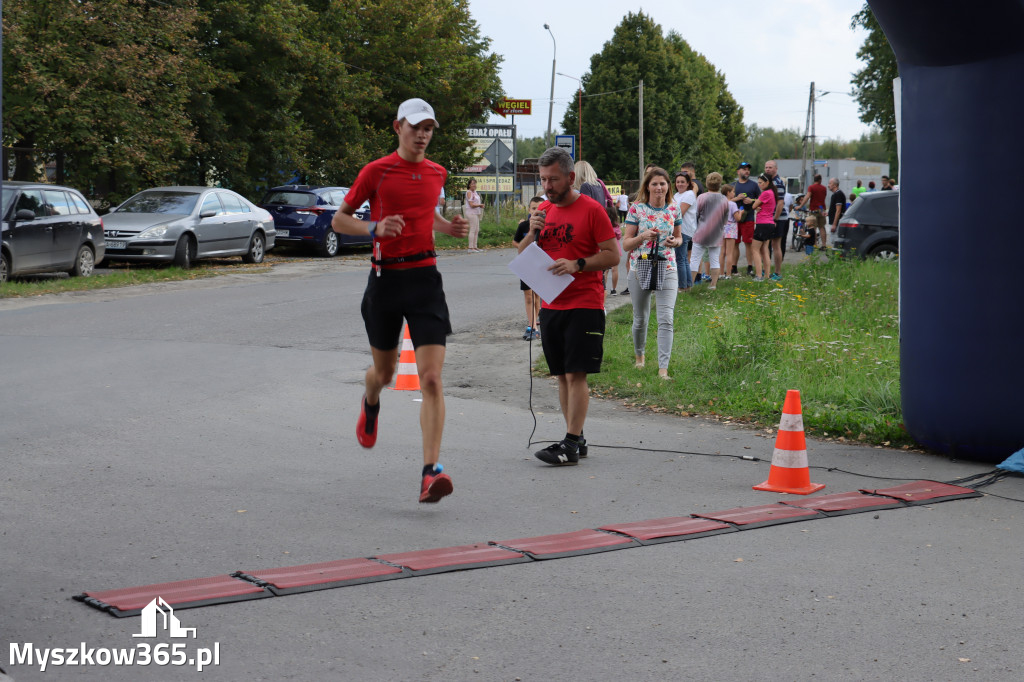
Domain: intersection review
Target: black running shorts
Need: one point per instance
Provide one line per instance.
(415, 295)
(573, 340)
(763, 232)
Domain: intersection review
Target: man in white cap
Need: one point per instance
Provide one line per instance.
(404, 283)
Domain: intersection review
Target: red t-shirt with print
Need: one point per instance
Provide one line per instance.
(572, 232)
(395, 186)
(817, 200)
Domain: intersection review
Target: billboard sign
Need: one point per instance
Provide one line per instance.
(517, 107)
(493, 148)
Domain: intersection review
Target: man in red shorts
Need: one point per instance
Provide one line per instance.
(576, 232)
(402, 189)
(746, 194)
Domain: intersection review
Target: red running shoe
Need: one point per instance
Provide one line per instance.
(366, 429)
(435, 486)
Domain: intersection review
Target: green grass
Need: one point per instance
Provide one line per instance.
(122, 275)
(492, 233)
(828, 329)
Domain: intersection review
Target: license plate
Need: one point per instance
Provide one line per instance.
(282, 233)
(116, 244)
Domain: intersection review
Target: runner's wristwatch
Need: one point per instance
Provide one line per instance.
(580, 263)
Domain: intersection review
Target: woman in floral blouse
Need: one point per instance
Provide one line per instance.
(651, 235)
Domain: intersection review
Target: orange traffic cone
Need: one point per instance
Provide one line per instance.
(789, 472)
(408, 378)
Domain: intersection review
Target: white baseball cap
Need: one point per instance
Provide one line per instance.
(415, 111)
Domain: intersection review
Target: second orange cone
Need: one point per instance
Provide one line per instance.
(408, 378)
(789, 472)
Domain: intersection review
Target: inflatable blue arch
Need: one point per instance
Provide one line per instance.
(961, 198)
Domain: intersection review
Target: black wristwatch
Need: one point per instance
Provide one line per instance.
(581, 262)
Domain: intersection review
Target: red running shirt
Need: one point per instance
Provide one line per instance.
(574, 232)
(395, 186)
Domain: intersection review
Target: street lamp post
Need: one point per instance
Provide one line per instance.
(579, 114)
(551, 100)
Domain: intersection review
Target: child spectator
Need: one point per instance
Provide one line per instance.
(712, 215)
(530, 296)
(809, 236)
(732, 232)
(613, 215)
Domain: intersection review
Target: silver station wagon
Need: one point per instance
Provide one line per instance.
(182, 224)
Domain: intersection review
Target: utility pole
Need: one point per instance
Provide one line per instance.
(808, 134)
(551, 99)
(641, 131)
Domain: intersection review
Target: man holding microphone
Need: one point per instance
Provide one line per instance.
(576, 232)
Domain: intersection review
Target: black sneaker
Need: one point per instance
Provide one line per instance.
(582, 448)
(559, 454)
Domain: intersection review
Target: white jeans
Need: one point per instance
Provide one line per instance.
(698, 253)
(665, 300)
(474, 229)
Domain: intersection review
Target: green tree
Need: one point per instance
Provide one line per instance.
(250, 129)
(689, 114)
(105, 82)
(762, 144)
(310, 88)
(872, 85)
(530, 148)
(422, 48)
(244, 93)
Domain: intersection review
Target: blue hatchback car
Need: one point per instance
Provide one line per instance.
(303, 213)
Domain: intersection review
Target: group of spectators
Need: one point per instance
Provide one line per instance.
(819, 221)
(679, 232)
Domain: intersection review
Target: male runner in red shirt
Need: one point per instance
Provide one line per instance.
(404, 282)
(576, 232)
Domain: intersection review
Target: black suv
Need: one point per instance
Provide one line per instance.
(49, 228)
(303, 213)
(871, 226)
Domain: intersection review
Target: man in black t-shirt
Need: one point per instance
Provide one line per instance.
(747, 193)
(837, 206)
(691, 172)
(778, 243)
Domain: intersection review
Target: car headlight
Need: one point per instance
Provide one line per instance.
(153, 232)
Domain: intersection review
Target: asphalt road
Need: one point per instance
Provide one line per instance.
(191, 429)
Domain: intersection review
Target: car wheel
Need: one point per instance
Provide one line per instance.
(884, 252)
(184, 252)
(256, 250)
(328, 248)
(5, 268)
(85, 262)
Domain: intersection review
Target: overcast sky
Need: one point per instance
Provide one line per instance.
(769, 59)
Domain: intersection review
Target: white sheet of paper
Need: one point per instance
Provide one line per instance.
(532, 267)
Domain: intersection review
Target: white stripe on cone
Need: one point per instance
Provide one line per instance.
(791, 422)
(790, 459)
(407, 368)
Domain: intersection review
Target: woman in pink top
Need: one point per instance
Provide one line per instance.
(764, 226)
(475, 208)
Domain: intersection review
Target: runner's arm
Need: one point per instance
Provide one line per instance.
(346, 223)
(457, 227)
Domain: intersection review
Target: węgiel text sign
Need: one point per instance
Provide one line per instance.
(516, 107)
